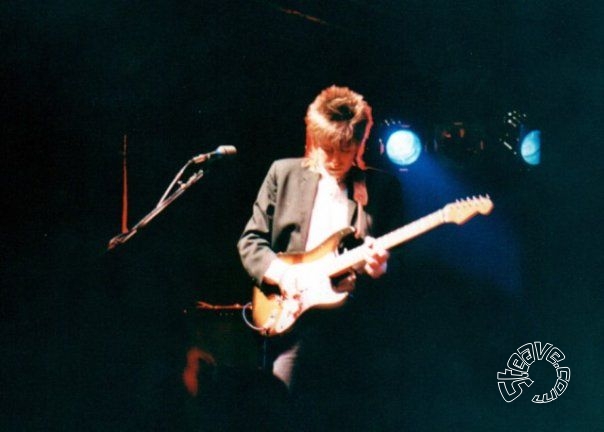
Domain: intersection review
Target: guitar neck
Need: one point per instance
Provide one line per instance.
(354, 257)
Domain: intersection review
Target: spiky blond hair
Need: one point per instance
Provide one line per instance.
(337, 118)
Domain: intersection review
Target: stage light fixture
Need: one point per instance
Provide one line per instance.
(513, 125)
(403, 146)
(519, 139)
(459, 140)
(530, 148)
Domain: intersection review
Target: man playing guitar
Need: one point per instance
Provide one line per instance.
(301, 203)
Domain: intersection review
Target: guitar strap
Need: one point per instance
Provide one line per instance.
(361, 197)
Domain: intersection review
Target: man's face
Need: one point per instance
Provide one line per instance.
(337, 161)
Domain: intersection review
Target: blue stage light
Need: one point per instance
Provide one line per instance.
(530, 148)
(403, 147)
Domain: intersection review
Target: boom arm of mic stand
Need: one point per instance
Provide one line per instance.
(164, 202)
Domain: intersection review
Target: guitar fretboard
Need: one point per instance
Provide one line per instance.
(354, 257)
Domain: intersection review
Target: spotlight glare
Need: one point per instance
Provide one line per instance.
(530, 148)
(403, 147)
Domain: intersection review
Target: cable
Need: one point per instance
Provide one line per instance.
(246, 320)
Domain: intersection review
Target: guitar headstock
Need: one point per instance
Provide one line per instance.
(462, 210)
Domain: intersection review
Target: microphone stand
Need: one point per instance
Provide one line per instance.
(164, 202)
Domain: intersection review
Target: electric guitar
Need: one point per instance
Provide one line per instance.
(273, 314)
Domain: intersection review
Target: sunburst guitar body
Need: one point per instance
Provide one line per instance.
(274, 314)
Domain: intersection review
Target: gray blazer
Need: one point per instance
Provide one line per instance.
(281, 213)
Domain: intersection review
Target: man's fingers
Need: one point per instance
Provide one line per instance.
(376, 258)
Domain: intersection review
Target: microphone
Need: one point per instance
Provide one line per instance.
(221, 151)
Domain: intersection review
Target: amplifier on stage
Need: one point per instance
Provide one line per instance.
(220, 331)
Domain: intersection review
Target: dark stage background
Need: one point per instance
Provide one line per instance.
(95, 340)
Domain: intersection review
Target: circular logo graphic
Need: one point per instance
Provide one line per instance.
(515, 378)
